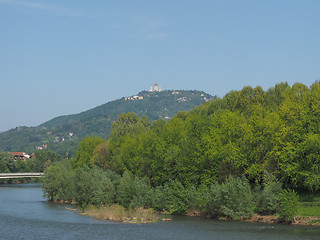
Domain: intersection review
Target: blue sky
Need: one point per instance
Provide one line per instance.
(62, 57)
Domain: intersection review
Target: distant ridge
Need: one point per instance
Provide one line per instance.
(63, 133)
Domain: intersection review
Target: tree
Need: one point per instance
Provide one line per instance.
(86, 151)
(101, 156)
(58, 181)
(4, 160)
(301, 163)
(128, 124)
(43, 159)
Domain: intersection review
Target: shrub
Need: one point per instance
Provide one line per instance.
(235, 198)
(58, 183)
(171, 197)
(268, 198)
(103, 189)
(193, 197)
(178, 197)
(142, 196)
(288, 204)
(84, 185)
(160, 199)
(126, 189)
(210, 199)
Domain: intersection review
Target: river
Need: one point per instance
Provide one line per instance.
(25, 214)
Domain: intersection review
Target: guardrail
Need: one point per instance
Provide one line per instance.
(20, 175)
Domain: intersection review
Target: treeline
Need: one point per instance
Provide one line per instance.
(234, 199)
(245, 135)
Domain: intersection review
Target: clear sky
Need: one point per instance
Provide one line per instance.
(61, 57)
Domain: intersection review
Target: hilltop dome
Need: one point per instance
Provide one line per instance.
(155, 88)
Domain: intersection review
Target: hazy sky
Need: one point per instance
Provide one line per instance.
(60, 57)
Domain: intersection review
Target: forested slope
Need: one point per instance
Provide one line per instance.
(62, 134)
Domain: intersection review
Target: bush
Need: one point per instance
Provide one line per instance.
(288, 204)
(160, 199)
(235, 198)
(268, 198)
(58, 183)
(171, 197)
(126, 189)
(103, 189)
(193, 197)
(178, 197)
(142, 196)
(210, 199)
(84, 185)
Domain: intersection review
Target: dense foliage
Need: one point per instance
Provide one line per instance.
(229, 157)
(233, 199)
(245, 133)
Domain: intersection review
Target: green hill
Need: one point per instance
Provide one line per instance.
(62, 134)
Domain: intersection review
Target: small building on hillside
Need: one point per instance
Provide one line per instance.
(20, 155)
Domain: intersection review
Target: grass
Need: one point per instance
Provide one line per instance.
(309, 211)
(118, 213)
(309, 205)
(309, 208)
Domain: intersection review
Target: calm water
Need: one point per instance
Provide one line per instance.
(25, 214)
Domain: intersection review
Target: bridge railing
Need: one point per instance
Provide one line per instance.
(21, 175)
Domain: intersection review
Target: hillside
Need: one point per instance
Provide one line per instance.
(62, 134)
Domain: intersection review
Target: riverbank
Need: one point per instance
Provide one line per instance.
(271, 219)
(298, 220)
(118, 213)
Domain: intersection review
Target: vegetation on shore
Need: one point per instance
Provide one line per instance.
(249, 152)
(118, 213)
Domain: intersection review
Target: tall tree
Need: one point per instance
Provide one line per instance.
(86, 151)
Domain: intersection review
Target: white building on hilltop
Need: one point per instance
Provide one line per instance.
(155, 88)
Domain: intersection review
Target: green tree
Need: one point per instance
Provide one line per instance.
(127, 124)
(86, 151)
(58, 181)
(300, 163)
(43, 159)
(101, 156)
(4, 160)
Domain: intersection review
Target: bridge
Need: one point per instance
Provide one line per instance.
(21, 175)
